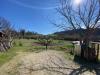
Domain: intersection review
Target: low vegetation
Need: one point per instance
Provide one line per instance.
(25, 45)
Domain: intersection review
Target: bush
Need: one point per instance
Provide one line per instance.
(20, 44)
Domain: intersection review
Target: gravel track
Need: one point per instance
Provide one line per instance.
(44, 63)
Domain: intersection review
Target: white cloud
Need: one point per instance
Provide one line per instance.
(31, 6)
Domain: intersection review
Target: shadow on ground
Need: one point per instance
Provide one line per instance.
(93, 67)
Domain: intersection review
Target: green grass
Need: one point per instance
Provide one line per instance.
(6, 56)
(61, 42)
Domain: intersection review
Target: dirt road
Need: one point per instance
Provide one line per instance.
(43, 63)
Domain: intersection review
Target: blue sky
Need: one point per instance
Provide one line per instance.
(33, 15)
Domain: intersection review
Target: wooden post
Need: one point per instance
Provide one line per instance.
(97, 52)
(93, 45)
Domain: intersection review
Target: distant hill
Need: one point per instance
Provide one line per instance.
(74, 34)
(71, 32)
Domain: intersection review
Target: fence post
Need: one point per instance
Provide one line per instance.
(97, 52)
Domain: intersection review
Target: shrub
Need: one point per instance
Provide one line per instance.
(20, 44)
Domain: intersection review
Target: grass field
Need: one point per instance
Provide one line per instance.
(24, 45)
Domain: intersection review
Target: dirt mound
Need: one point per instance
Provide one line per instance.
(43, 63)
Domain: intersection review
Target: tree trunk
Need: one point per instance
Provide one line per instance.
(2, 49)
(5, 44)
(87, 52)
(97, 52)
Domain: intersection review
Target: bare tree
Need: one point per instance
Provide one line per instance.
(45, 40)
(5, 39)
(87, 15)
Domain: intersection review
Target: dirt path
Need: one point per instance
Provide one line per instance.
(43, 63)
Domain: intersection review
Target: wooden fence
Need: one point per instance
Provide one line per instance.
(95, 45)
